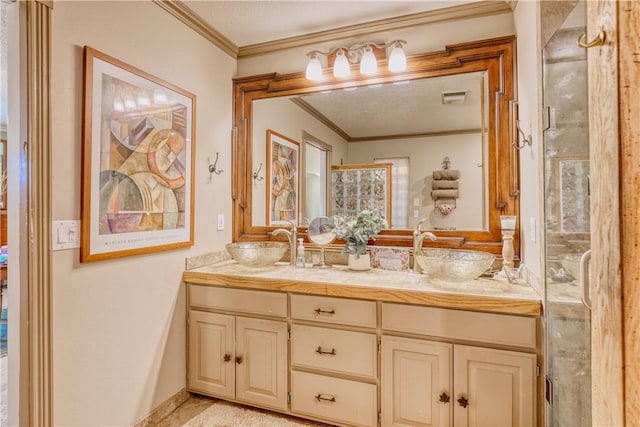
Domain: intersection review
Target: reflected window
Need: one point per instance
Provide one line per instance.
(399, 189)
(317, 161)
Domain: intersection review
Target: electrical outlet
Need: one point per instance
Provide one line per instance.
(416, 213)
(220, 222)
(416, 202)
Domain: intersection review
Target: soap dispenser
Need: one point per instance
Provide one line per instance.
(300, 254)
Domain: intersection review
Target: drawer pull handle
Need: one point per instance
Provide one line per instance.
(320, 311)
(321, 398)
(444, 397)
(227, 357)
(238, 359)
(462, 401)
(319, 350)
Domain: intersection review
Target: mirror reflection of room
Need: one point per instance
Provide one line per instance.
(413, 126)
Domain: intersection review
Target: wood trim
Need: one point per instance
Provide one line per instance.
(496, 56)
(604, 137)
(38, 40)
(192, 20)
(629, 68)
(454, 13)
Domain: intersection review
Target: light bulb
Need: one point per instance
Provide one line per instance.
(314, 69)
(159, 96)
(118, 105)
(129, 103)
(341, 67)
(368, 63)
(397, 59)
(143, 99)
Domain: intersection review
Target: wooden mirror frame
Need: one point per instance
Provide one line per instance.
(496, 56)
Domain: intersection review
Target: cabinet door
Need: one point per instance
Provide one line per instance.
(211, 368)
(416, 382)
(261, 362)
(493, 388)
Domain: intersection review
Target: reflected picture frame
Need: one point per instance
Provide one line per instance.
(138, 151)
(283, 179)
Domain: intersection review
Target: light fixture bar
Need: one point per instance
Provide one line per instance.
(363, 53)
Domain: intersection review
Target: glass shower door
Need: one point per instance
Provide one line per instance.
(567, 218)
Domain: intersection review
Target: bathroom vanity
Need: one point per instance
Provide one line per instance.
(364, 348)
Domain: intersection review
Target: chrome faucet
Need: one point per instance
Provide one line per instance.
(418, 239)
(292, 235)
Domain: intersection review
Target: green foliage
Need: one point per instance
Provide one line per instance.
(358, 230)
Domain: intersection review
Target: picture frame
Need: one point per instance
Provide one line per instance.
(138, 151)
(283, 179)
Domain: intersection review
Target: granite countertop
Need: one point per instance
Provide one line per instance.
(483, 294)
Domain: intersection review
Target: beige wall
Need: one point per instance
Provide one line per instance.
(286, 118)
(527, 18)
(426, 154)
(119, 325)
(425, 38)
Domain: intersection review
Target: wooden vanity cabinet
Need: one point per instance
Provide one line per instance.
(429, 383)
(234, 356)
(354, 362)
(334, 359)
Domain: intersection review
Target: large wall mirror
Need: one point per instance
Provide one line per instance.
(442, 128)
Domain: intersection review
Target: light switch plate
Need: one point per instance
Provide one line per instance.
(65, 234)
(220, 222)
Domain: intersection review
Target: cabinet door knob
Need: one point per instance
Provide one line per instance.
(462, 401)
(444, 397)
(227, 357)
(238, 359)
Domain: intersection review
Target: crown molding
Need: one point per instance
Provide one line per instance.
(512, 4)
(188, 17)
(465, 11)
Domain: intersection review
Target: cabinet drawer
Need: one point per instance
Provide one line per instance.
(333, 350)
(334, 310)
(333, 399)
(241, 300)
(503, 329)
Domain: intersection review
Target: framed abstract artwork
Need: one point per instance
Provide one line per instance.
(283, 170)
(137, 161)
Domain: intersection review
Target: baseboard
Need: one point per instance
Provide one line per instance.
(164, 409)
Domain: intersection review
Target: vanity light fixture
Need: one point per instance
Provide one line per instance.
(362, 53)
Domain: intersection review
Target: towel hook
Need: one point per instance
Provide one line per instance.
(212, 167)
(256, 176)
(521, 138)
(518, 139)
(597, 41)
(446, 163)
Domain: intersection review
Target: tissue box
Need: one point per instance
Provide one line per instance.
(389, 258)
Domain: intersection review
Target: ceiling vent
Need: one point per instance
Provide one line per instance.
(454, 97)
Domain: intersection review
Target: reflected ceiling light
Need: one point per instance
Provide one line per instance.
(129, 103)
(118, 105)
(159, 97)
(363, 53)
(142, 100)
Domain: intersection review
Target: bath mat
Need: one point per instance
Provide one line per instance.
(223, 414)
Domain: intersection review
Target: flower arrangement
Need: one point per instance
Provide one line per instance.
(358, 230)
